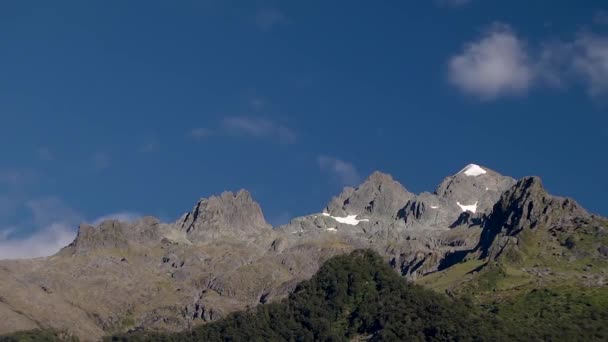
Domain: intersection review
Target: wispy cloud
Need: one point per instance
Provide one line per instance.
(44, 242)
(53, 223)
(583, 60)
(199, 133)
(590, 61)
(258, 128)
(50, 238)
(51, 209)
(268, 18)
(498, 64)
(125, 216)
(346, 173)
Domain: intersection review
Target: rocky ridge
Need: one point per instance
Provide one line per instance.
(222, 256)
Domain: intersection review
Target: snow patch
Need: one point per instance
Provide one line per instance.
(473, 170)
(332, 229)
(472, 208)
(350, 219)
(434, 207)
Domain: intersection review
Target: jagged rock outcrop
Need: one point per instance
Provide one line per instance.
(460, 199)
(222, 256)
(227, 214)
(380, 195)
(527, 206)
(113, 234)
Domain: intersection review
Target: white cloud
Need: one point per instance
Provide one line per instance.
(499, 64)
(590, 61)
(44, 242)
(268, 18)
(496, 65)
(258, 128)
(583, 60)
(55, 226)
(344, 171)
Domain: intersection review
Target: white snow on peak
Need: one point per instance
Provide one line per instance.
(473, 170)
(332, 229)
(350, 219)
(472, 208)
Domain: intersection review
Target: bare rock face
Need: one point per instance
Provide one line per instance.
(109, 234)
(527, 206)
(474, 189)
(222, 256)
(224, 215)
(379, 195)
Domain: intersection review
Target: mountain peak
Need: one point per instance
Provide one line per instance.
(474, 185)
(107, 234)
(379, 177)
(379, 195)
(227, 213)
(473, 170)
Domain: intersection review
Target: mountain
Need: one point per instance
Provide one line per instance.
(357, 297)
(352, 297)
(479, 234)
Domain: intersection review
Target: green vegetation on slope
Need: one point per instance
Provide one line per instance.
(563, 313)
(37, 336)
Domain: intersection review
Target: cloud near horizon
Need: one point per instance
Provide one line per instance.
(57, 227)
(346, 173)
(44, 242)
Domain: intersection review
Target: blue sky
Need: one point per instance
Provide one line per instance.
(129, 108)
